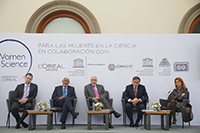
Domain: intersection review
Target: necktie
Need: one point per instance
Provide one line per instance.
(64, 92)
(25, 92)
(135, 93)
(95, 91)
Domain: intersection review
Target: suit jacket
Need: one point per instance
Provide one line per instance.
(19, 91)
(174, 94)
(58, 92)
(90, 94)
(141, 93)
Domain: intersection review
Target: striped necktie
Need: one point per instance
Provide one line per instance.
(64, 92)
(25, 92)
(95, 91)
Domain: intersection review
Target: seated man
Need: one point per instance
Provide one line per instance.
(135, 95)
(96, 93)
(63, 96)
(22, 98)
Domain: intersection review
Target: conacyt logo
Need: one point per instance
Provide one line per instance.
(15, 58)
(112, 67)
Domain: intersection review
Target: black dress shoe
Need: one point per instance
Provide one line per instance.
(24, 124)
(117, 115)
(131, 124)
(136, 124)
(63, 126)
(110, 126)
(76, 114)
(18, 125)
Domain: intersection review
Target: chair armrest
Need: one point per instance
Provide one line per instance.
(146, 103)
(8, 104)
(163, 103)
(51, 103)
(147, 100)
(88, 104)
(111, 101)
(74, 103)
(123, 103)
(33, 103)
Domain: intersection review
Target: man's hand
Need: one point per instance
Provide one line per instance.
(135, 101)
(61, 97)
(95, 99)
(22, 101)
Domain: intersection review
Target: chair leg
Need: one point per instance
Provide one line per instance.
(182, 124)
(55, 118)
(8, 120)
(110, 118)
(73, 120)
(124, 118)
(189, 123)
(141, 121)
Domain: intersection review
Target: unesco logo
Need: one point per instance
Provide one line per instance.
(15, 57)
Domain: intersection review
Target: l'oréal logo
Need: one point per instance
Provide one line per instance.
(51, 66)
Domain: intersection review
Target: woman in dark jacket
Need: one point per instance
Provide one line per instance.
(178, 98)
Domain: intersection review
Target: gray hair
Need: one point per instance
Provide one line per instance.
(66, 78)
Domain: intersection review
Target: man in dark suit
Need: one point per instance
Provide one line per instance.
(22, 97)
(135, 95)
(63, 96)
(96, 93)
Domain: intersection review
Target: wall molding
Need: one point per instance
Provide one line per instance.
(62, 6)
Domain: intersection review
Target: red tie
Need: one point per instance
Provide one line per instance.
(135, 93)
(95, 91)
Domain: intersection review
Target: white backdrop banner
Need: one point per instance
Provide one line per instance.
(114, 58)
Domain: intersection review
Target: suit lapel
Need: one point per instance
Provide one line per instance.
(68, 90)
(99, 89)
(31, 88)
(22, 90)
(61, 90)
(132, 90)
(92, 90)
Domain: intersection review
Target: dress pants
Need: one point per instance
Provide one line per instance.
(106, 103)
(15, 107)
(66, 104)
(129, 111)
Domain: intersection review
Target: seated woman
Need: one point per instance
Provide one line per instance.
(178, 98)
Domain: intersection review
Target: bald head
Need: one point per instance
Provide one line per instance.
(93, 80)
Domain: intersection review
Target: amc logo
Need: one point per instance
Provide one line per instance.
(181, 66)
